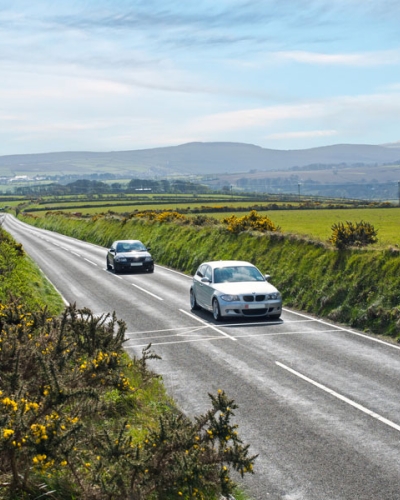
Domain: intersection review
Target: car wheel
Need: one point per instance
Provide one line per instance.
(108, 266)
(150, 269)
(116, 268)
(216, 310)
(193, 302)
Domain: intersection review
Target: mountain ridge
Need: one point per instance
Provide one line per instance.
(196, 158)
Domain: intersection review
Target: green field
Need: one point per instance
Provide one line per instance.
(314, 223)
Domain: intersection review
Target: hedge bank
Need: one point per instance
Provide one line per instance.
(355, 287)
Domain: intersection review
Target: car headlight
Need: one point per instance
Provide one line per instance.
(274, 296)
(230, 298)
(121, 259)
(148, 259)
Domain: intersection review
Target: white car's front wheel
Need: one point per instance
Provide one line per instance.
(216, 310)
(193, 302)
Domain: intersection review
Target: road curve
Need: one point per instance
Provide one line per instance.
(318, 402)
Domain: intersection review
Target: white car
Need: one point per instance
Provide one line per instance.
(230, 288)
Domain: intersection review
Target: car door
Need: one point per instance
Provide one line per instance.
(199, 285)
(111, 254)
(204, 287)
(208, 288)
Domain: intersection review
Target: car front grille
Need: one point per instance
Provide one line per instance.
(135, 259)
(253, 298)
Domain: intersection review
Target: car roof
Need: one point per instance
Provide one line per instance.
(228, 263)
(127, 241)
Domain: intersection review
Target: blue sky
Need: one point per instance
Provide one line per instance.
(111, 75)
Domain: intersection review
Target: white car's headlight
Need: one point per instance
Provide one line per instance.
(274, 296)
(230, 298)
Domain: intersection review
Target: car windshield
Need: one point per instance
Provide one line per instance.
(134, 246)
(237, 274)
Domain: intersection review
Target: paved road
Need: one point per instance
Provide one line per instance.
(318, 402)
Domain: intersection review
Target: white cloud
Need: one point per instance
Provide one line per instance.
(335, 116)
(377, 58)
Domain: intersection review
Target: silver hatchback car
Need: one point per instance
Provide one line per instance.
(230, 288)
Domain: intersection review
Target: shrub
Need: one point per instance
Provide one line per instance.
(253, 221)
(358, 234)
(59, 381)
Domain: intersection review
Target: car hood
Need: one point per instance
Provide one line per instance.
(133, 254)
(247, 287)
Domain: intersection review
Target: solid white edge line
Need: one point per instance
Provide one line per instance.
(146, 291)
(342, 398)
(209, 325)
(340, 328)
(55, 288)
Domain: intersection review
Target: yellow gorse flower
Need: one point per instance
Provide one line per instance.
(7, 433)
(9, 402)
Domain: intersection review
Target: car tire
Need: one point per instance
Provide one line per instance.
(150, 270)
(108, 266)
(116, 269)
(194, 306)
(216, 310)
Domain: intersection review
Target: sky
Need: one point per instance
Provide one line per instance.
(117, 75)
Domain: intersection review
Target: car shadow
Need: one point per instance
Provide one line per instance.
(236, 322)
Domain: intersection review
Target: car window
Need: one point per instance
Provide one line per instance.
(222, 275)
(136, 246)
(246, 273)
(130, 246)
(208, 273)
(201, 271)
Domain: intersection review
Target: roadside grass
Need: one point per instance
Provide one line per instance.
(22, 279)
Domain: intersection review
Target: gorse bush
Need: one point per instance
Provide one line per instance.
(253, 221)
(60, 437)
(357, 234)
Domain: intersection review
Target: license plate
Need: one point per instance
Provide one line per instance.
(136, 263)
(255, 306)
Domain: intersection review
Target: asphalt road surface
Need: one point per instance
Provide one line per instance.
(318, 402)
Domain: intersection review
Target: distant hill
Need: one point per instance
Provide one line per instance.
(195, 159)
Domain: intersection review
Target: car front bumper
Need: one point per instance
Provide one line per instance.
(243, 309)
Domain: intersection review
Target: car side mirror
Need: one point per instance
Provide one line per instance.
(205, 280)
(267, 276)
(112, 250)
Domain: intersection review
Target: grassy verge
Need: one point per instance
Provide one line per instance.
(20, 278)
(360, 288)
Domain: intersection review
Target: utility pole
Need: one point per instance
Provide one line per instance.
(298, 185)
(398, 190)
